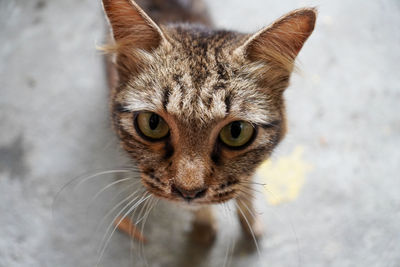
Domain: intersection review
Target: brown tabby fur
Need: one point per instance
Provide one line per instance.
(199, 80)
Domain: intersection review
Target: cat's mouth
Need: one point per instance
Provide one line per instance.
(203, 196)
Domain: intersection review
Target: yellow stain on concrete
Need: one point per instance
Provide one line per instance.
(284, 177)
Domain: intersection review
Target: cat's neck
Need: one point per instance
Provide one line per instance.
(176, 11)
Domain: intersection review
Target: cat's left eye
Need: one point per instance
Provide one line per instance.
(237, 134)
(151, 125)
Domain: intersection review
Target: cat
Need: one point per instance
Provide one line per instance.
(199, 109)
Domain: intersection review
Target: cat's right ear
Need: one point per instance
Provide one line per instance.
(131, 25)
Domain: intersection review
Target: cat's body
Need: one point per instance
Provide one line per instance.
(199, 109)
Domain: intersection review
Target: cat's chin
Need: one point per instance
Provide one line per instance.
(193, 206)
(189, 205)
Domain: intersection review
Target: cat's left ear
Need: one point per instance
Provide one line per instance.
(282, 40)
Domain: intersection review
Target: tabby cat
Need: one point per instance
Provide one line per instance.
(199, 109)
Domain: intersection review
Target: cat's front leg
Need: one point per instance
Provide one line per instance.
(204, 227)
(249, 219)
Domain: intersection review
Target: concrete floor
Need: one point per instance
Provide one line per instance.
(343, 110)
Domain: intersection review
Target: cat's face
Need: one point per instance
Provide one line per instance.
(198, 110)
(171, 118)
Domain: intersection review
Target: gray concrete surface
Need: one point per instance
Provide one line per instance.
(343, 108)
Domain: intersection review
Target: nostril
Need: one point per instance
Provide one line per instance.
(188, 194)
(176, 191)
(200, 193)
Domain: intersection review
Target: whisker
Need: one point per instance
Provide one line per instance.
(228, 255)
(245, 194)
(132, 243)
(82, 179)
(229, 244)
(116, 206)
(225, 209)
(293, 229)
(253, 183)
(228, 208)
(248, 195)
(251, 230)
(87, 178)
(110, 185)
(120, 220)
(118, 215)
(143, 224)
(247, 208)
(135, 221)
(143, 211)
(141, 215)
(129, 187)
(105, 188)
(249, 187)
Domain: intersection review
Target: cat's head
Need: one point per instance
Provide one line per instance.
(199, 109)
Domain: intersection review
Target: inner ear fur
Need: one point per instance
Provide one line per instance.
(281, 42)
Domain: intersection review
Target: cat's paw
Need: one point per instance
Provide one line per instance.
(204, 233)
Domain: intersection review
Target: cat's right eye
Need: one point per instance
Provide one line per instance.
(151, 125)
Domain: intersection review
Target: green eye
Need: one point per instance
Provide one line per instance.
(236, 134)
(151, 125)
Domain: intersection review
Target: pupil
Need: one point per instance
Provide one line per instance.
(236, 129)
(153, 121)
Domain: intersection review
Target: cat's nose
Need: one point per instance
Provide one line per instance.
(188, 194)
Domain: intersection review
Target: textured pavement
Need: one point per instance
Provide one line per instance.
(343, 110)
